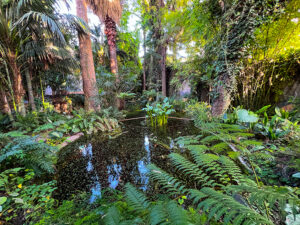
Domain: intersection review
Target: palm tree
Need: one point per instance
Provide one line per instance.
(19, 21)
(87, 62)
(110, 12)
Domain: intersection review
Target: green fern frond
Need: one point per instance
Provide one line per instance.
(199, 148)
(210, 139)
(242, 134)
(232, 169)
(219, 206)
(168, 213)
(270, 194)
(208, 163)
(191, 170)
(176, 215)
(171, 184)
(113, 216)
(220, 147)
(232, 128)
(262, 155)
(135, 198)
(252, 142)
(44, 127)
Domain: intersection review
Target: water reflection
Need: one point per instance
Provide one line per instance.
(114, 172)
(93, 164)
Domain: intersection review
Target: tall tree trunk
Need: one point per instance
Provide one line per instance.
(17, 82)
(111, 34)
(221, 102)
(5, 108)
(159, 42)
(144, 63)
(87, 62)
(30, 91)
(163, 70)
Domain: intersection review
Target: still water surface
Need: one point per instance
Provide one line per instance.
(91, 164)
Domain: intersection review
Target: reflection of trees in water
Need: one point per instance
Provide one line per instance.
(114, 162)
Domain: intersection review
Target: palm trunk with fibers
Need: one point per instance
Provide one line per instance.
(17, 82)
(4, 102)
(111, 34)
(87, 62)
(30, 91)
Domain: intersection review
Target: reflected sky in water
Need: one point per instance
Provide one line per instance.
(90, 165)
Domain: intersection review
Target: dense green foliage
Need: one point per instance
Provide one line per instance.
(230, 66)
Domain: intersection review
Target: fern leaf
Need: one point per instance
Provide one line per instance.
(270, 194)
(232, 169)
(112, 217)
(176, 215)
(220, 147)
(226, 206)
(191, 170)
(135, 198)
(167, 181)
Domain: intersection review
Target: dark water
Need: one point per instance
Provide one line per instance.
(91, 164)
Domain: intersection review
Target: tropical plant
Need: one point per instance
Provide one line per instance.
(88, 123)
(158, 113)
(86, 60)
(18, 21)
(110, 13)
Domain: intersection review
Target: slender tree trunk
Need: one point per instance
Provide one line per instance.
(163, 70)
(17, 82)
(159, 42)
(30, 91)
(144, 63)
(111, 34)
(4, 103)
(87, 62)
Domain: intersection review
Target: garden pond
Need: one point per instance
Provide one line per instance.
(101, 161)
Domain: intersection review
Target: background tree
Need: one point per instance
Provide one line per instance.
(20, 23)
(86, 61)
(110, 12)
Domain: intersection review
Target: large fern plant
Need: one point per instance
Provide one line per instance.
(25, 151)
(216, 184)
(159, 212)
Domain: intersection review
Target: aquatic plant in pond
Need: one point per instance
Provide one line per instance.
(158, 113)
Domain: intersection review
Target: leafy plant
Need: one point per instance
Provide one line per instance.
(158, 113)
(24, 151)
(88, 123)
(211, 182)
(22, 199)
